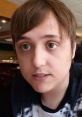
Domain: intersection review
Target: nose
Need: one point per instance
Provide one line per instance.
(39, 58)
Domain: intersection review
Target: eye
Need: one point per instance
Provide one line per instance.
(26, 46)
(51, 45)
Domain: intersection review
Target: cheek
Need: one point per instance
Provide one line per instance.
(60, 69)
(60, 63)
(24, 63)
(25, 69)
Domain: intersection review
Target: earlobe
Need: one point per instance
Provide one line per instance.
(17, 61)
(74, 50)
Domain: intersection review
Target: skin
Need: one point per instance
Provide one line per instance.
(45, 60)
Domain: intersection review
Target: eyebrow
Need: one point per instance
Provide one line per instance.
(51, 36)
(21, 38)
(42, 37)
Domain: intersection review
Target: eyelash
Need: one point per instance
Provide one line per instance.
(26, 47)
(51, 45)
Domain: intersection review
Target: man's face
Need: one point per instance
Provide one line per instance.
(44, 57)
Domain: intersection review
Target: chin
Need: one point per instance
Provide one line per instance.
(41, 89)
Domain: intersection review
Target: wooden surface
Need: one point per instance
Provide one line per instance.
(7, 8)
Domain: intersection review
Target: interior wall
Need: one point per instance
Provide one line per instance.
(7, 8)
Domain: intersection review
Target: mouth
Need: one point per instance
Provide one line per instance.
(41, 76)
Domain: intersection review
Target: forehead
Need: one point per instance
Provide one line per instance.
(49, 26)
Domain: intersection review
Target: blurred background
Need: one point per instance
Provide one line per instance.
(8, 61)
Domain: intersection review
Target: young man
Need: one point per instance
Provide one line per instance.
(44, 36)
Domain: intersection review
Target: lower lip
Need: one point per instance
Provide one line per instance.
(41, 77)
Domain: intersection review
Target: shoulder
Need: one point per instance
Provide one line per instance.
(76, 79)
(21, 87)
(22, 94)
(22, 91)
(76, 71)
(76, 90)
(18, 93)
(5, 103)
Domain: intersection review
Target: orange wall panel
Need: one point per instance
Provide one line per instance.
(7, 8)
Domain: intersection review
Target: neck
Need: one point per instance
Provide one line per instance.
(53, 98)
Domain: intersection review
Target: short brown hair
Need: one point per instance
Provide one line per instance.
(33, 12)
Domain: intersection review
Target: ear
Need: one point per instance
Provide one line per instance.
(74, 50)
(16, 58)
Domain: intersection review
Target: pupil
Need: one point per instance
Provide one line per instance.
(26, 46)
(51, 45)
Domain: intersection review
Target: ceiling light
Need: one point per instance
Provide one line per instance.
(9, 40)
(3, 21)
